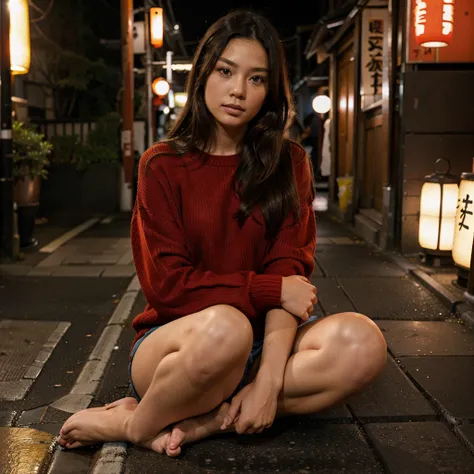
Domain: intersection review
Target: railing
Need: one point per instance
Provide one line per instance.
(52, 128)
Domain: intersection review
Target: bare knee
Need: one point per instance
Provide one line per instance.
(221, 341)
(362, 345)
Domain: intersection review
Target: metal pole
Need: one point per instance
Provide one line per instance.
(169, 78)
(7, 242)
(148, 80)
(126, 7)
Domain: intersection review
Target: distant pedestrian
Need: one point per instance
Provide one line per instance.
(223, 237)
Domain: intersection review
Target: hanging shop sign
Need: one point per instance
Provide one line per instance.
(374, 28)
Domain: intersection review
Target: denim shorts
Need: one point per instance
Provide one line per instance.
(257, 348)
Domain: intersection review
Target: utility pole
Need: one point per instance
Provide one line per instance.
(148, 79)
(7, 242)
(126, 8)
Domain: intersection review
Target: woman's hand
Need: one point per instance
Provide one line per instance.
(298, 296)
(254, 408)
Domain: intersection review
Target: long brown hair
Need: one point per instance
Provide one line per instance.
(264, 176)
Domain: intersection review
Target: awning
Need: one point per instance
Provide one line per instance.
(331, 28)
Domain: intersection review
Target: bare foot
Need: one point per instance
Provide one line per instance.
(97, 425)
(194, 429)
(159, 443)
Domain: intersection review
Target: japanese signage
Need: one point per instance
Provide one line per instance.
(434, 22)
(374, 28)
(448, 21)
(464, 225)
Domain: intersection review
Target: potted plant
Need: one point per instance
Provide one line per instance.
(30, 157)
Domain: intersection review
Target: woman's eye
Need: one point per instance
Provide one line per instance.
(258, 79)
(224, 71)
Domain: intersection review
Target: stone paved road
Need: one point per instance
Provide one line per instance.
(418, 417)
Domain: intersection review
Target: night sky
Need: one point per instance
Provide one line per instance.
(197, 17)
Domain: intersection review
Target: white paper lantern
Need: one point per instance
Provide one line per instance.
(464, 228)
(439, 196)
(321, 104)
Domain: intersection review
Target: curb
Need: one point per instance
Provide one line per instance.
(461, 308)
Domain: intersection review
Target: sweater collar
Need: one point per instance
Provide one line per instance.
(219, 160)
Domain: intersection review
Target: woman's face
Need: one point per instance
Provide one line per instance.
(236, 88)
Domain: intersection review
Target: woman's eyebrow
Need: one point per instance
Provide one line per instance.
(231, 63)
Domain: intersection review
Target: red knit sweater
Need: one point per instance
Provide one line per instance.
(189, 251)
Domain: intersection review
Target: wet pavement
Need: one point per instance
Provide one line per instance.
(417, 417)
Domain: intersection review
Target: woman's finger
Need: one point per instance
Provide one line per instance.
(231, 413)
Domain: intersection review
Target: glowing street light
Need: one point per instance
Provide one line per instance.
(160, 87)
(20, 50)
(156, 27)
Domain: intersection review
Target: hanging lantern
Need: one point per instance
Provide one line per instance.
(439, 195)
(464, 229)
(321, 104)
(434, 22)
(19, 36)
(156, 27)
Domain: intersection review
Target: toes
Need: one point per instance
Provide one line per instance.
(173, 453)
(160, 443)
(73, 445)
(61, 441)
(176, 438)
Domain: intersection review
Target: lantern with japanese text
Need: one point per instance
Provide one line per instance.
(434, 22)
(464, 230)
(437, 211)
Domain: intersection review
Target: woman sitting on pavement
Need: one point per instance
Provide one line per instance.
(223, 237)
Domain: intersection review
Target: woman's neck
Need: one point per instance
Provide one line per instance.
(226, 140)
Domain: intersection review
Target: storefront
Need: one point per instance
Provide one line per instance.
(396, 108)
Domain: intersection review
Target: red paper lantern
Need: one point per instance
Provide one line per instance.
(434, 22)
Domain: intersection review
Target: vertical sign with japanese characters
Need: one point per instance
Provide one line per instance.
(464, 230)
(374, 29)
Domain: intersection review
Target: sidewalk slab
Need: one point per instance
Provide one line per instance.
(331, 296)
(79, 271)
(286, 448)
(391, 395)
(421, 448)
(449, 381)
(393, 298)
(328, 227)
(423, 338)
(25, 350)
(356, 261)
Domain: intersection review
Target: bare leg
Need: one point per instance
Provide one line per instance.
(350, 353)
(203, 359)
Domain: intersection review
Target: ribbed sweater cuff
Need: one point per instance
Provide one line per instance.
(265, 291)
